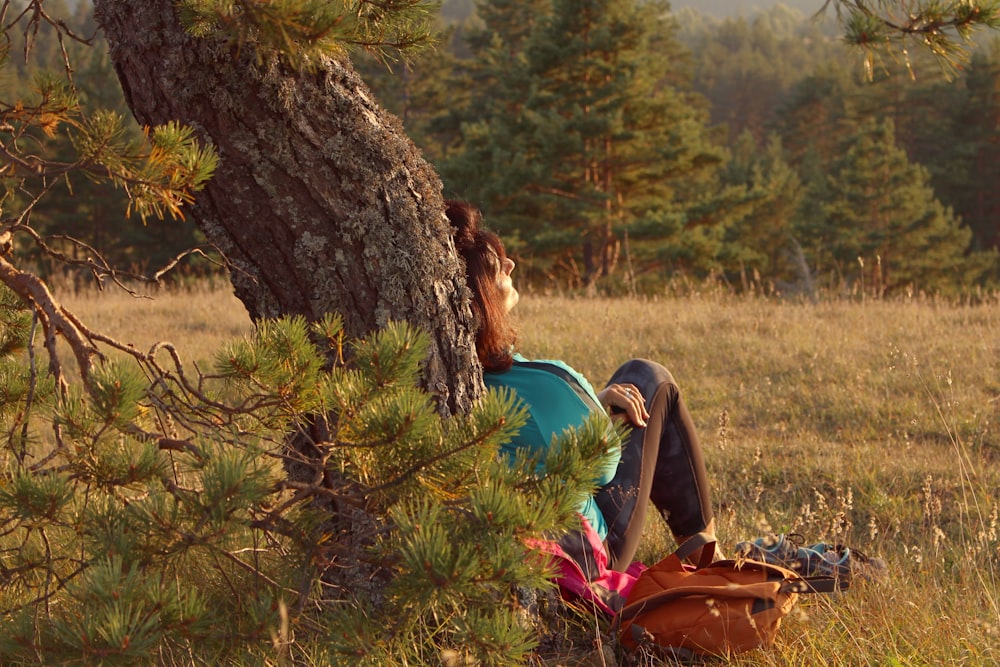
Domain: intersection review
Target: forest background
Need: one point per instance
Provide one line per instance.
(755, 149)
(858, 420)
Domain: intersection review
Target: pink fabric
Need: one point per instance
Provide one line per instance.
(607, 589)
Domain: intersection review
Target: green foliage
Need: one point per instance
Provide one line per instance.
(304, 31)
(509, 131)
(764, 243)
(880, 210)
(583, 135)
(167, 517)
(882, 27)
(502, 129)
(66, 134)
(960, 139)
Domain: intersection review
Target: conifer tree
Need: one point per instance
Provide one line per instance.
(160, 522)
(970, 174)
(507, 25)
(826, 101)
(498, 78)
(881, 214)
(591, 133)
(763, 244)
(81, 216)
(149, 510)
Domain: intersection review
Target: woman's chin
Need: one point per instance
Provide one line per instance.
(512, 299)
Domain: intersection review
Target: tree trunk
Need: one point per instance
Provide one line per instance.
(320, 201)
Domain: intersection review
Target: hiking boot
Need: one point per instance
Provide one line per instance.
(774, 549)
(817, 560)
(823, 560)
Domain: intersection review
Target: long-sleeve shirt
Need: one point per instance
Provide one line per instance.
(556, 397)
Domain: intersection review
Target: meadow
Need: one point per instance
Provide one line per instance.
(872, 423)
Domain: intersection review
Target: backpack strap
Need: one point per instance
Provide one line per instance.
(695, 542)
(814, 585)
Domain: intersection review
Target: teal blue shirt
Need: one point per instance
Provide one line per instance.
(554, 404)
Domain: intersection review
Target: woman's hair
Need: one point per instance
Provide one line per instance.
(483, 253)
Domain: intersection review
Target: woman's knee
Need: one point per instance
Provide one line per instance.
(646, 374)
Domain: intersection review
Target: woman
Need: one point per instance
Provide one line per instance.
(660, 463)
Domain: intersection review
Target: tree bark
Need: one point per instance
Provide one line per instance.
(320, 201)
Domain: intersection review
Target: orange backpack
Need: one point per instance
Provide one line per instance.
(717, 608)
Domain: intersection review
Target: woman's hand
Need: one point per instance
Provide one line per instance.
(625, 400)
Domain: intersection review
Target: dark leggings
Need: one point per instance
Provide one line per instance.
(661, 463)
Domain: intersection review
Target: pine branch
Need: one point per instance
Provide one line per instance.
(34, 15)
(304, 32)
(54, 318)
(425, 464)
(100, 268)
(943, 28)
(151, 502)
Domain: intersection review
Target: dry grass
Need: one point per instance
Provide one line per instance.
(873, 424)
(197, 319)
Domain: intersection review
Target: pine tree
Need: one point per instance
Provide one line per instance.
(820, 110)
(762, 245)
(507, 25)
(591, 135)
(162, 516)
(882, 214)
(160, 520)
(498, 78)
(970, 175)
(80, 131)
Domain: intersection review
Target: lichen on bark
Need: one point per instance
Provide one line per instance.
(320, 201)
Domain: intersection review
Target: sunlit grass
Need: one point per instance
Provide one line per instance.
(873, 424)
(197, 319)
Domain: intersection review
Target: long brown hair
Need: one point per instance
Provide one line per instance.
(484, 254)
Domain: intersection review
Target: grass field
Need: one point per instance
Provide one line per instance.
(871, 423)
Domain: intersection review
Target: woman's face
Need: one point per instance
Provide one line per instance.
(505, 286)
